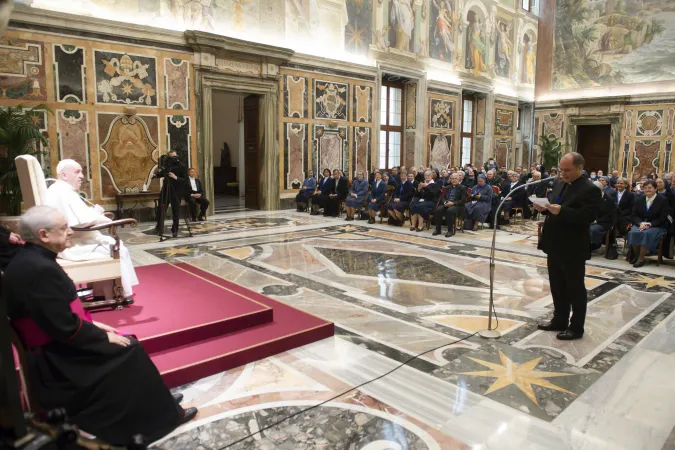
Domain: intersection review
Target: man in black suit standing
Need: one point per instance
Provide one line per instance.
(565, 237)
(452, 203)
(196, 195)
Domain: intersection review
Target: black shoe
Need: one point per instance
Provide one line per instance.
(177, 398)
(449, 234)
(128, 301)
(315, 213)
(412, 228)
(201, 218)
(419, 230)
(194, 219)
(188, 415)
(436, 232)
(174, 234)
(639, 263)
(551, 326)
(569, 335)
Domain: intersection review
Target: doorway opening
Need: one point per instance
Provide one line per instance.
(593, 143)
(235, 151)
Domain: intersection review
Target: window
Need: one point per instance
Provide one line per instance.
(526, 5)
(391, 125)
(467, 130)
(520, 113)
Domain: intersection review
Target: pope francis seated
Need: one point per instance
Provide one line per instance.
(63, 195)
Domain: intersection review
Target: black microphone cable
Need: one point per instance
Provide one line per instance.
(348, 391)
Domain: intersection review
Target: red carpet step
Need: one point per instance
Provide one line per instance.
(195, 324)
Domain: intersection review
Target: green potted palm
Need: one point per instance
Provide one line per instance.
(19, 135)
(551, 150)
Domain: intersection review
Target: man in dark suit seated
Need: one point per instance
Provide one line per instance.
(518, 199)
(452, 203)
(625, 201)
(195, 195)
(538, 190)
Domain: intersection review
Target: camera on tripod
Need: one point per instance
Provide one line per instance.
(166, 163)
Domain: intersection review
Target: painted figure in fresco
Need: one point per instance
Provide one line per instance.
(475, 46)
(194, 14)
(443, 32)
(503, 48)
(402, 19)
(527, 64)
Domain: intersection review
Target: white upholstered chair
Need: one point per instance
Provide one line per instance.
(34, 191)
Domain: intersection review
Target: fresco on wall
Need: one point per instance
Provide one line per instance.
(503, 49)
(359, 29)
(606, 42)
(528, 57)
(401, 24)
(475, 51)
(442, 24)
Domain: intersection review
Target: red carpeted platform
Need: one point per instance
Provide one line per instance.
(195, 324)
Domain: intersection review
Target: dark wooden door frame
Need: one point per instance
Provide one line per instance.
(252, 152)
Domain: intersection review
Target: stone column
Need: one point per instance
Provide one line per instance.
(489, 149)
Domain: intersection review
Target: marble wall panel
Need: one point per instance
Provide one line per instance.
(363, 104)
(295, 96)
(503, 151)
(125, 78)
(70, 74)
(331, 150)
(72, 131)
(362, 146)
(553, 124)
(128, 151)
(41, 120)
(176, 83)
(409, 160)
(331, 100)
(410, 106)
(504, 122)
(441, 113)
(646, 158)
(440, 150)
(478, 150)
(480, 116)
(295, 151)
(22, 70)
(649, 123)
(178, 137)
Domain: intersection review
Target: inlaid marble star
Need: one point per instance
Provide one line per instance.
(127, 89)
(176, 251)
(522, 375)
(650, 282)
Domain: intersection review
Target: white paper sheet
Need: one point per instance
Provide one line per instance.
(540, 201)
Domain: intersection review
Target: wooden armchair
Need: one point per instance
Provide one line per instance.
(34, 191)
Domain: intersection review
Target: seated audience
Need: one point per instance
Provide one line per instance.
(306, 191)
(492, 178)
(491, 164)
(376, 198)
(395, 177)
(480, 204)
(331, 206)
(63, 196)
(10, 244)
(326, 186)
(613, 179)
(105, 381)
(609, 192)
(605, 219)
(357, 194)
(452, 203)
(401, 200)
(539, 190)
(517, 199)
(196, 195)
(650, 223)
(424, 203)
(663, 190)
(386, 178)
(443, 179)
(469, 179)
(419, 176)
(625, 201)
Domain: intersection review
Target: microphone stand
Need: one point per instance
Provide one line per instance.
(490, 333)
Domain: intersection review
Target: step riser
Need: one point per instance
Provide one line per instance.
(203, 332)
(202, 369)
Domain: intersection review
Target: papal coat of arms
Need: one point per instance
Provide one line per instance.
(126, 79)
(330, 100)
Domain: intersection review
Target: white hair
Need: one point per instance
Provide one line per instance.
(427, 172)
(35, 219)
(66, 164)
(598, 185)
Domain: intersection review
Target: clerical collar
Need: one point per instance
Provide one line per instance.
(44, 251)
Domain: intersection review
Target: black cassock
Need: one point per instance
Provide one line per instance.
(110, 391)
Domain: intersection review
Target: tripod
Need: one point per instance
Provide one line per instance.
(165, 196)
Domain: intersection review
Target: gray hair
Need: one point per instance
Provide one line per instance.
(65, 164)
(492, 171)
(35, 219)
(623, 180)
(536, 173)
(427, 172)
(598, 185)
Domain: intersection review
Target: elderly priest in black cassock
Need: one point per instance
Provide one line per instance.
(106, 382)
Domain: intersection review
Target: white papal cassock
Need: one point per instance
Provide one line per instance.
(88, 244)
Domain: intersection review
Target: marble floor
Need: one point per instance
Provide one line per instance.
(394, 294)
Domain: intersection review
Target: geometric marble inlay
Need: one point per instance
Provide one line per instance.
(472, 324)
(398, 267)
(22, 70)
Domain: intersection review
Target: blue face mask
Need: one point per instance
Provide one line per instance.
(593, 176)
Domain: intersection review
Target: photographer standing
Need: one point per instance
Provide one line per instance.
(175, 182)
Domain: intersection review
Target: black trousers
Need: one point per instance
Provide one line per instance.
(449, 212)
(203, 205)
(174, 201)
(569, 292)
